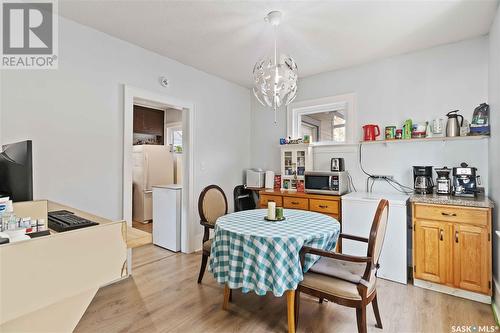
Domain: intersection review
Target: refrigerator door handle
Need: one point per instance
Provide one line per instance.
(148, 191)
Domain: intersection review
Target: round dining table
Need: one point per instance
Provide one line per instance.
(254, 254)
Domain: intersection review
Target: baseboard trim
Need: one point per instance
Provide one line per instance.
(453, 291)
(496, 301)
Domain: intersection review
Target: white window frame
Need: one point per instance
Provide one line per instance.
(169, 129)
(345, 102)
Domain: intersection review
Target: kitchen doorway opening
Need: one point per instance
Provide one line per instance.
(157, 158)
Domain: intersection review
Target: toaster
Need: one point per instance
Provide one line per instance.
(255, 178)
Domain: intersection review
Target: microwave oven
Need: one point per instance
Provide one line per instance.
(320, 182)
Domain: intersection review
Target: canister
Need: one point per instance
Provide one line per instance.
(390, 132)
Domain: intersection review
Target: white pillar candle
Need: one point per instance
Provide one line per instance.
(271, 210)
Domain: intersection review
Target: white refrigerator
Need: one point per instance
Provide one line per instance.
(167, 216)
(152, 165)
(358, 210)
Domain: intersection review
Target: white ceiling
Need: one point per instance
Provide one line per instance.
(226, 38)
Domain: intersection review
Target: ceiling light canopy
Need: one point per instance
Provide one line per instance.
(275, 79)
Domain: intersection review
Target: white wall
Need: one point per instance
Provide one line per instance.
(494, 101)
(420, 85)
(74, 115)
(173, 116)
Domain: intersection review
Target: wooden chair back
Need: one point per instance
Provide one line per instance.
(376, 238)
(212, 204)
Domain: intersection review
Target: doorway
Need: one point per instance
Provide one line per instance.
(157, 157)
(176, 136)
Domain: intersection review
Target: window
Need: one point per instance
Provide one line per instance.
(309, 129)
(325, 120)
(175, 138)
(324, 126)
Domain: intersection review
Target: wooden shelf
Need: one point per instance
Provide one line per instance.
(444, 139)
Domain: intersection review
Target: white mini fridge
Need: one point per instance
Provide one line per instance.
(167, 209)
(358, 210)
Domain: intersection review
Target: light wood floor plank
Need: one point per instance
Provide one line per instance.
(163, 296)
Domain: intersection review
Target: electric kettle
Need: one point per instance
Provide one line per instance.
(453, 125)
(370, 132)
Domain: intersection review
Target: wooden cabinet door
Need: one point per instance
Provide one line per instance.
(265, 199)
(472, 253)
(296, 203)
(431, 249)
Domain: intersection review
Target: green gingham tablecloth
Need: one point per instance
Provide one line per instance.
(251, 253)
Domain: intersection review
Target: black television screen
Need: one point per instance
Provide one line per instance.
(16, 171)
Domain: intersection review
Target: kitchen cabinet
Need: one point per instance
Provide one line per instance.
(471, 257)
(266, 198)
(326, 204)
(296, 203)
(452, 248)
(433, 239)
(295, 161)
(149, 121)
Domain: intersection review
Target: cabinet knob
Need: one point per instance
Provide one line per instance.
(323, 206)
(295, 203)
(456, 236)
(440, 234)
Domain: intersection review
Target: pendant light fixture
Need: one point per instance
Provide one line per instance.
(275, 78)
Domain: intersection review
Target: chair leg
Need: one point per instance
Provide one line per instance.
(321, 300)
(361, 318)
(227, 292)
(377, 313)
(230, 295)
(297, 307)
(204, 261)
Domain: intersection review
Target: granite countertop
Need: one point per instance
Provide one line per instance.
(480, 201)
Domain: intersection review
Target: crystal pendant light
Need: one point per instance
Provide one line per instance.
(275, 79)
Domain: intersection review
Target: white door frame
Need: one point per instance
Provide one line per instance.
(129, 94)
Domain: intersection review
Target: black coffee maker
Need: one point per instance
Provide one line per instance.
(465, 181)
(422, 179)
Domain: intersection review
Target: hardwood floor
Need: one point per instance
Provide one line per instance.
(162, 296)
(147, 227)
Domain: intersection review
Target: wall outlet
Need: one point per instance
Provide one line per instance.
(382, 177)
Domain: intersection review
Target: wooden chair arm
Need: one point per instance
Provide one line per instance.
(345, 257)
(352, 237)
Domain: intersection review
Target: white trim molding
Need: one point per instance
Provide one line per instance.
(340, 102)
(496, 300)
(130, 96)
(452, 291)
